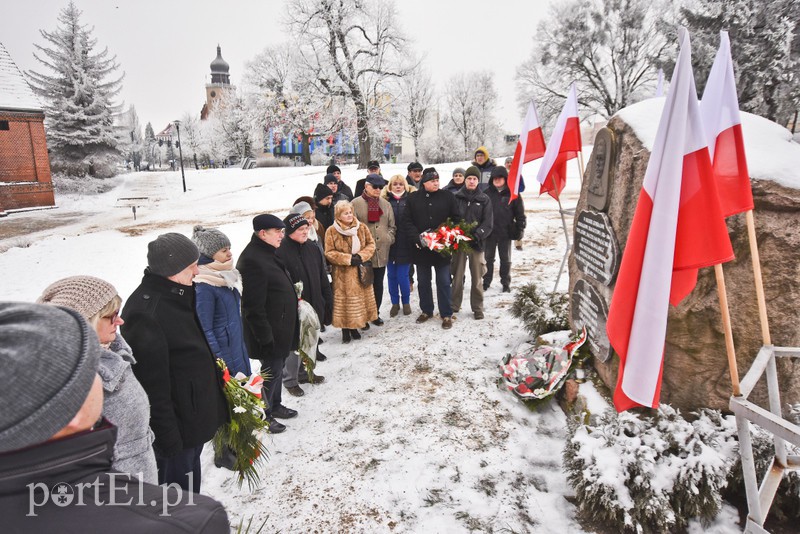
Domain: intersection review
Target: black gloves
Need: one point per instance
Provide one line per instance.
(355, 260)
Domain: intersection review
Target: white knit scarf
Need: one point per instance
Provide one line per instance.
(220, 275)
(352, 232)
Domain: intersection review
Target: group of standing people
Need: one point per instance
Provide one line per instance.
(163, 389)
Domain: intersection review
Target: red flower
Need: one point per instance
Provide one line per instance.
(455, 247)
(226, 375)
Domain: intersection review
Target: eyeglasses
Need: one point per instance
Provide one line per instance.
(113, 317)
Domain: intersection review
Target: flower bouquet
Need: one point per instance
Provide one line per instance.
(448, 238)
(538, 374)
(309, 332)
(246, 409)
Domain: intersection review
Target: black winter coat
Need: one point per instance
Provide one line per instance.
(325, 215)
(400, 251)
(174, 364)
(304, 263)
(453, 187)
(345, 190)
(427, 211)
(509, 219)
(269, 302)
(475, 207)
(28, 475)
(359, 188)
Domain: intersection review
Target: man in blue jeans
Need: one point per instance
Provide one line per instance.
(426, 210)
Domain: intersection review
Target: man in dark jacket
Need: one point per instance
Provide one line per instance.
(414, 174)
(304, 263)
(474, 207)
(373, 167)
(56, 452)
(333, 184)
(323, 197)
(343, 187)
(508, 163)
(174, 363)
(484, 164)
(509, 223)
(269, 311)
(426, 210)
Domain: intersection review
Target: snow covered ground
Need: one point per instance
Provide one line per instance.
(409, 433)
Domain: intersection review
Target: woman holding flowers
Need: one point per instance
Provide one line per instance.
(125, 402)
(349, 243)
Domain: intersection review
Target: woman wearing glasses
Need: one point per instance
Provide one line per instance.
(125, 402)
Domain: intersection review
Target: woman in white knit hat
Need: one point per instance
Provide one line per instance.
(125, 402)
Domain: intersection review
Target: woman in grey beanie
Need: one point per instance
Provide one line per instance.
(125, 402)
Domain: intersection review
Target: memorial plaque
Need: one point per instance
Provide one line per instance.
(589, 309)
(601, 170)
(596, 248)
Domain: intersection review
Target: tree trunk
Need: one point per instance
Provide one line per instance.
(364, 140)
(306, 149)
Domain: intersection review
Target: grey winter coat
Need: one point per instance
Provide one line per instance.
(383, 231)
(125, 404)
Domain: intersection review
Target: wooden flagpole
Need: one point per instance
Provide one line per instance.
(762, 303)
(726, 327)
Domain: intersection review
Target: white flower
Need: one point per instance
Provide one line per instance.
(238, 409)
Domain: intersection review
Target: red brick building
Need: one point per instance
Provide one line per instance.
(25, 180)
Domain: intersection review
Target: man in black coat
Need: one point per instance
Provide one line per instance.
(323, 197)
(509, 224)
(343, 187)
(373, 167)
(269, 311)
(426, 210)
(414, 174)
(474, 207)
(485, 164)
(174, 363)
(304, 263)
(56, 452)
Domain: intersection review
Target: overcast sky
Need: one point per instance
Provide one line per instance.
(165, 46)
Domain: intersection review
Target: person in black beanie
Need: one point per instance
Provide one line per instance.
(509, 223)
(174, 362)
(269, 311)
(343, 187)
(426, 210)
(304, 263)
(323, 197)
(333, 184)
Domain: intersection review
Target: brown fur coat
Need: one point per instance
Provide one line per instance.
(353, 305)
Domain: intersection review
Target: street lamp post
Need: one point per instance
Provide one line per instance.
(180, 153)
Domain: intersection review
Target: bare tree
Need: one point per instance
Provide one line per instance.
(417, 99)
(354, 50)
(471, 98)
(611, 48)
(231, 126)
(282, 98)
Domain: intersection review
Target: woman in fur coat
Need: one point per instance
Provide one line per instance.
(348, 243)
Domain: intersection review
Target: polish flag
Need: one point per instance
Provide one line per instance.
(530, 144)
(719, 110)
(565, 144)
(677, 228)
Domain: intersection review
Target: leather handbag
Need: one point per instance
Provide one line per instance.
(365, 274)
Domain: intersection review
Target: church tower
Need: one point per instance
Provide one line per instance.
(220, 82)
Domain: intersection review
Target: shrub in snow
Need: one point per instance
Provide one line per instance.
(65, 184)
(650, 474)
(540, 313)
(786, 505)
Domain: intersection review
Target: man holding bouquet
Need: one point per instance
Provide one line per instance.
(427, 210)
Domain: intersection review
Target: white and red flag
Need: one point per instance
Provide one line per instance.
(719, 109)
(677, 228)
(529, 147)
(564, 145)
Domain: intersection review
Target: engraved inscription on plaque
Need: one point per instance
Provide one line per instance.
(589, 309)
(601, 170)
(596, 248)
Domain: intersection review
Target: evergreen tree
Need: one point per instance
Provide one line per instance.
(78, 90)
